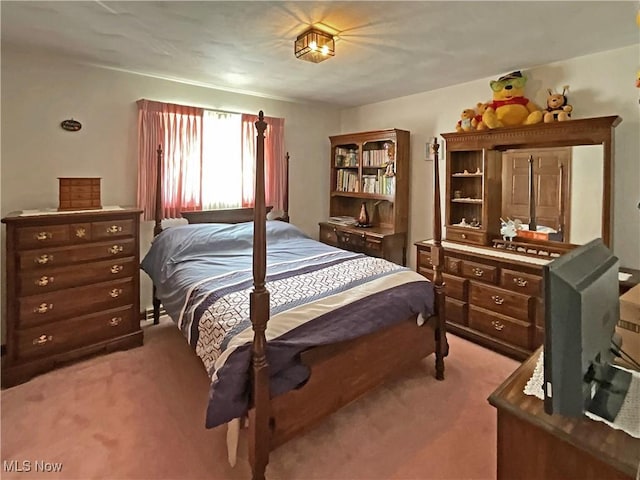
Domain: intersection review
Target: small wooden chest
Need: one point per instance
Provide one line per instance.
(79, 193)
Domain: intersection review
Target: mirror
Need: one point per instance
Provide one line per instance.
(557, 175)
(567, 196)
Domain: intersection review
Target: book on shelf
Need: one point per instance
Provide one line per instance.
(343, 220)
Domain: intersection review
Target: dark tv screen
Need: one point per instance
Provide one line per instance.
(582, 308)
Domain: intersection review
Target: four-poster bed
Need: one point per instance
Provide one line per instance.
(397, 317)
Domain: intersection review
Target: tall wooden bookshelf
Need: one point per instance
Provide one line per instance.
(370, 168)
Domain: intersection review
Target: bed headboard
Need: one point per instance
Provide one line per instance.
(235, 215)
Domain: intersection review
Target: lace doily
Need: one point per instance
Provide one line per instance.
(628, 418)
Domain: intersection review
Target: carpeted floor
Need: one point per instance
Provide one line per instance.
(140, 415)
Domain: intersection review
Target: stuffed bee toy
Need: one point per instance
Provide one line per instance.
(558, 108)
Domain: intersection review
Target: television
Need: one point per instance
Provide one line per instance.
(582, 308)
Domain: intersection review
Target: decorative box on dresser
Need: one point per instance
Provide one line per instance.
(72, 288)
(494, 286)
(370, 169)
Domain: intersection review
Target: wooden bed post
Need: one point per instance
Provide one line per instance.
(532, 197)
(437, 259)
(285, 202)
(259, 433)
(157, 228)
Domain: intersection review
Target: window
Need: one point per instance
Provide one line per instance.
(208, 159)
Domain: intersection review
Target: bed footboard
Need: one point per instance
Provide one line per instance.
(363, 364)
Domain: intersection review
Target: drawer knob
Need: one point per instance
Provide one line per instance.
(464, 235)
(520, 282)
(42, 339)
(497, 324)
(43, 308)
(115, 321)
(43, 259)
(43, 236)
(81, 232)
(44, 281)
(498, 300)
(478, 272)
(114, 229)
(115, 292)
(117, 269)
(116, 249)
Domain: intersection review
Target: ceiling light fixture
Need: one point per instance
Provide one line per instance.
(314, 46)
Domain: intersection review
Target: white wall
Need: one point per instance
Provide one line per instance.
(38, 92)
(600, 84)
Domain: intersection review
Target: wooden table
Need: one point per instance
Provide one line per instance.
(534, 445)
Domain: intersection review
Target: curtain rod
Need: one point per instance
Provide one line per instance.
(204, 108)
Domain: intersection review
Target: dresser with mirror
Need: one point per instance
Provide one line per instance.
(555, 182)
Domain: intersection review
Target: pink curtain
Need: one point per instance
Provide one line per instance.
(178, 129)
(274, 156)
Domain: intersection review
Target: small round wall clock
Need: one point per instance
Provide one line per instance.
(71, 125)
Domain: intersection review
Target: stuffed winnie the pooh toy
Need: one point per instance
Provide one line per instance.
(467, 120)
(510, 107)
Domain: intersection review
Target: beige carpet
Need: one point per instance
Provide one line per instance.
(140, 415)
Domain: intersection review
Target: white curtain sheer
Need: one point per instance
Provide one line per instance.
(221, 168)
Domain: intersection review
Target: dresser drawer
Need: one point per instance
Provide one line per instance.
(424, 259)
(456, 311)
(521, 282)
(33, 282)
(328, 235)
(112, 229)
(479, 271)
(500, 300)
(41, 236)
(466, 236)
(351, 241)
(77, 253)
(455, 287)
(453, 265)
(68, 334)
(72, 302)
(373, 246)
(500, 327)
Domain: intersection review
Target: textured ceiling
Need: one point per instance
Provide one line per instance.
(385, 49)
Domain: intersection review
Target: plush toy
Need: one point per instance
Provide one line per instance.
(481, 108)
(467, 120)
(558, 107)
(510, 107)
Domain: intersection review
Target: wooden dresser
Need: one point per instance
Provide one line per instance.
(375, 241)
(493, 297)
(72, 288)
(533, 445)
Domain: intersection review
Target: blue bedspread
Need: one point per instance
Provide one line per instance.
(318, 295)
